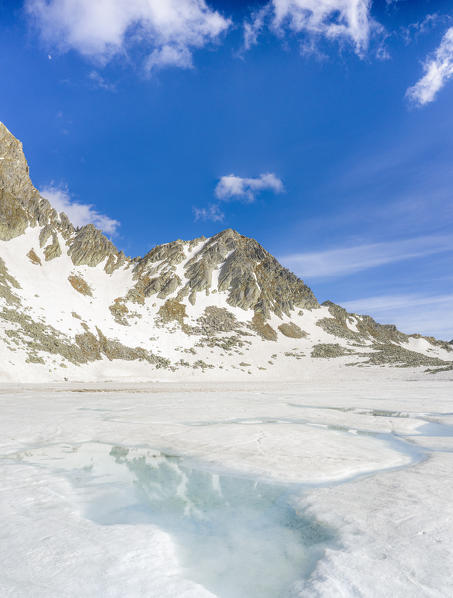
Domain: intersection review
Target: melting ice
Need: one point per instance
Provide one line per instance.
(237, 537)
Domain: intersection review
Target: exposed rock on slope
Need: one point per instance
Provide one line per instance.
(73, 306)
(249, 274)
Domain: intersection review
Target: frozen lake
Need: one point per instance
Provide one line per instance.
(224, 527)
(229, 494)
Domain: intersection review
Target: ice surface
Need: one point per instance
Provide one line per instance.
(224, 527)
(308, 491)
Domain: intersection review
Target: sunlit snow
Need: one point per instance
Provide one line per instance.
(230, 494)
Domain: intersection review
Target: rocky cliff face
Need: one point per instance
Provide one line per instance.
(228, 262)
(73, 306)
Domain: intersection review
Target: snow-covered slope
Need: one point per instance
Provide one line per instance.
(74, 307)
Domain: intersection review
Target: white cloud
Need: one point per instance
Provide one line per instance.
(213, 212)
(438, 70)
(101, 29)
(232, 187)
(349, 260)
(79, 214)
(412, 312)
(169, 56)
(333, 19)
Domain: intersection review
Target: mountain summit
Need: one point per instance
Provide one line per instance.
(72, 306)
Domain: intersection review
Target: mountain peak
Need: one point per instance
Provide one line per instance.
(227, 262)
(69, 299)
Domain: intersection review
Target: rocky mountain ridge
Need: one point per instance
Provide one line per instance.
(74, 306)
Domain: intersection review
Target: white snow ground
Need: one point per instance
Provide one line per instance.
(329, 489)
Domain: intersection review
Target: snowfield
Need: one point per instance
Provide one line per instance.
(335, 487)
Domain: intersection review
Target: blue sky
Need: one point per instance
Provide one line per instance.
(322, 128)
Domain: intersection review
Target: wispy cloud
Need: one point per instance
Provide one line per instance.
(412, 312)
(415, 30)
(438, 70)
(79, 214)
(212, 212)
(169, 56)
(166, 31)
(233, 187)
(97, 80)
(341, 20)
(255, 25)
(388, 302)
(349, 260)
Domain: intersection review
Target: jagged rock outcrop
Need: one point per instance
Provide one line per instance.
(88, 246)
(13, 217)
(252, 277)
(365, 326)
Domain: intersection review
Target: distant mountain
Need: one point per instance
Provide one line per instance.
(74, 307)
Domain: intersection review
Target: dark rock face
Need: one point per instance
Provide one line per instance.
(292, 330)
(89, 247)
(53, 250)
(14, 176)
(80, 285)
(34, 258)
(259, 325)
(13, 217)
(252, 277)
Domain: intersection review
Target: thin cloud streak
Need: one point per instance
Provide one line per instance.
(350, 260)
(98, 81)
(438, 70)
(212, 213)
(391, 302)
